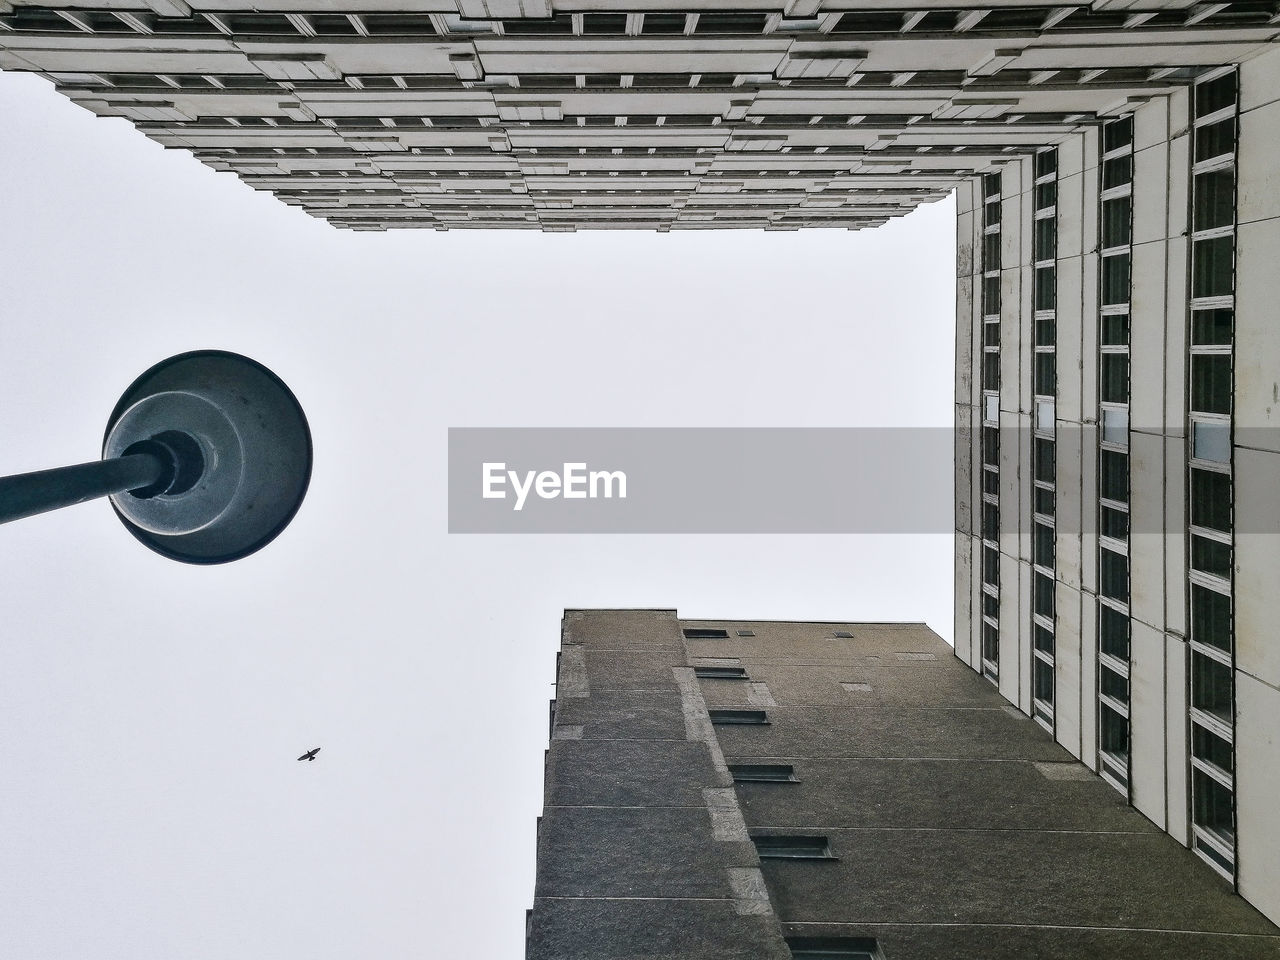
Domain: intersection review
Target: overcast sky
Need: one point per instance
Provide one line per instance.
(150, 712)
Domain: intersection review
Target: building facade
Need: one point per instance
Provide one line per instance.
(655, 114)
(1118, 458)
(760, 791)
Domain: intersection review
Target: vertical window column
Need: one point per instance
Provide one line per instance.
(1044, 376)
(1115, 242)
(991, 426)
(1210, 522)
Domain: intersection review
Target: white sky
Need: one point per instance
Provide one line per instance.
(150, 712)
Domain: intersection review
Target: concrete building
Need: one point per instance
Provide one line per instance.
(562, 114)
(760, 791)
(1118, 458)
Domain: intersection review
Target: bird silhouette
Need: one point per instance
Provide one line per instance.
(310, 754)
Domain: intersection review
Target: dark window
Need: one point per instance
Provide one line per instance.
(991, 445)
(1114, 378)
(730, 23)
(1113, 523)
(1116, 222)
(720, 673)
(1046, 238)
(1046, 374)
(1115, 330)
(1044, 501)
(259, 23)
(1212, 327)
(1211, 383)
(990, 522)
(1117, 171)
(1211, 556)
(1117, 134)
(731, 717)
(1045, 459)
(1113, 575)
(1113, 737)
(381, 24)
(663, 23)
(1042, 680)
(607, 23)
(991, 252)
(1213, 266)
(1216, 139)
(1113, 685)
(1211, 500)
(1207, 745)
(1211, 686)
(1046, 163)
(763, 773)
(1215, 194)
(842, 634)
(1215, 95)
(990, 565)
(1115, 279)
(833, 948)
(791, 847)
(1046, 332)
(560, 24)
(1212, 806)
(1042, 544)
(1210, 618)
(990, 643)
(1113, 632)
(704, 633)
(1046, 288)
(1043, 639)
(990, 606)
(1042, 595)
(1046, 194)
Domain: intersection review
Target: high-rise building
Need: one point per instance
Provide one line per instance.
(1118, 458)
(657, 114)
(757, 791)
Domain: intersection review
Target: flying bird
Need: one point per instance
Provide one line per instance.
(310, 754)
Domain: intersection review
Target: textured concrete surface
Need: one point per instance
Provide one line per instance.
(959, 828)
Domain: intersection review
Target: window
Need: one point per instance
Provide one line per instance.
(1113, 575)
(1211, 686)
(763, 773)
(737, 717)
(1113, 632)
(842, 635)
(1042, 595)
(791, 847)
(1211, 499)
(834, 948)
(1211, 382)
(746, 633)
(1211, 556)
(1113, 479)
(1211, 618)
(1113, 523)
(1042, 545)
(1042, 680)
(703, 633)
(720, 673)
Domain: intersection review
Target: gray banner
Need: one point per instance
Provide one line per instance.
(701, 480)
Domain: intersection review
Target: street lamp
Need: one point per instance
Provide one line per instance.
(206, 458)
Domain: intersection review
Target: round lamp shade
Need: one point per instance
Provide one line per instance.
(245, 444)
